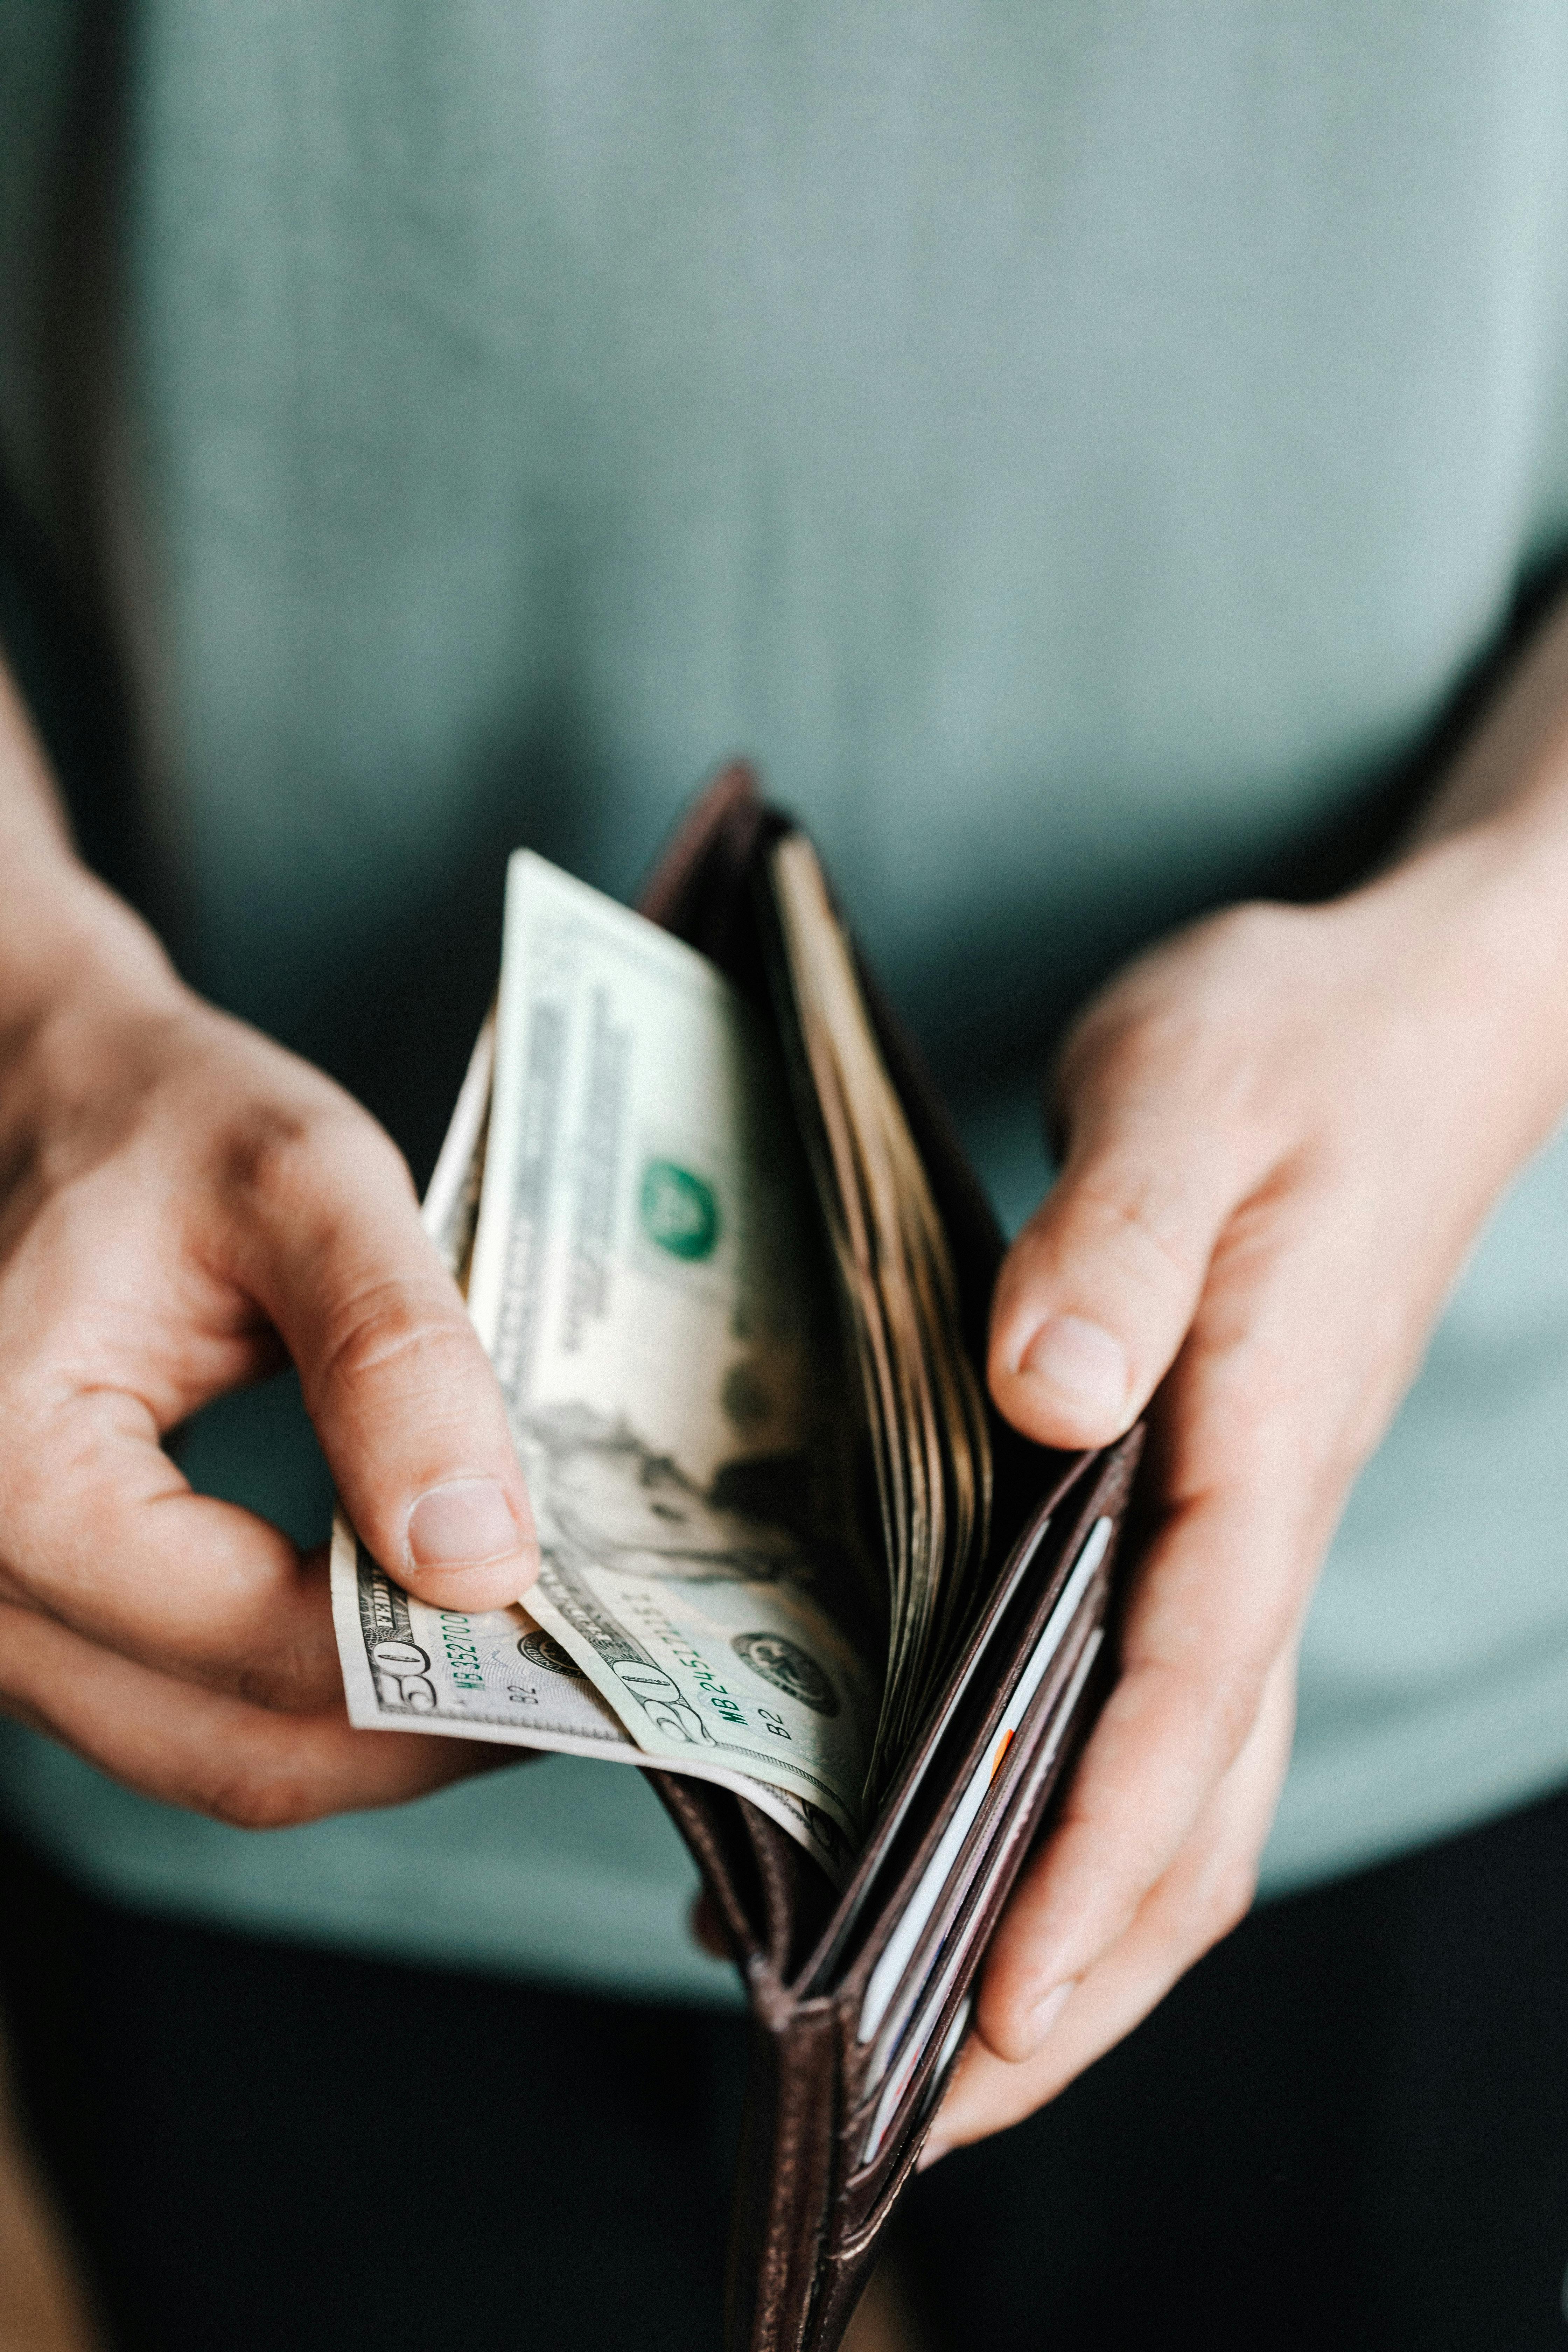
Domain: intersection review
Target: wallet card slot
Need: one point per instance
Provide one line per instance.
(909, 2047)
(888, 1973)
(970, 1881)
(851, 2244)
(899, 1812)
(1003, 1639)
(995, 1639)
(916, 2050)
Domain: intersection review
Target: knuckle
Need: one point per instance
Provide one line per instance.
(1224, 1900)
(286, 1682)
(271, 1151)
(1256, 928)
(17, 1583)
(21, 1693)
(1200, 1013)
(391, 1328)
(1179, 1692)
(1230, 1704)
(264, 1152)
(1146, 1226)
(256, 1796)
(36, 1471)
(277, 1152)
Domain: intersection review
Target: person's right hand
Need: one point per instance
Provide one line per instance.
(181, 1203)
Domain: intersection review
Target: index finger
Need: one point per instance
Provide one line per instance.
(404, 1399)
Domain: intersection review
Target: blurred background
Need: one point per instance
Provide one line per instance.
(41, 2308)
(44, 2309)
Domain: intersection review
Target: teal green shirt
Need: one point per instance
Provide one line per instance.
(1076, 448)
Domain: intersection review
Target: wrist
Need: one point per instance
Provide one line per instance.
(1481, 926)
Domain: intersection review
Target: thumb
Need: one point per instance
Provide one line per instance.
(1096, 1295)
(401, 1393)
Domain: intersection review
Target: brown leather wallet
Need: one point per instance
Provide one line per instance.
(860, 2000)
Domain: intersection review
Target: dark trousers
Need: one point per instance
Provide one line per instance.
(1349, 2127)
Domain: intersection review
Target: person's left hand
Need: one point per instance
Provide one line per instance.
(1283, 1131)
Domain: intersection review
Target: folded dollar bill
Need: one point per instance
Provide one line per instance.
(704, 1326)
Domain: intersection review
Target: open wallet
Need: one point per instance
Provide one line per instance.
(690, 1604)
(860, 1998)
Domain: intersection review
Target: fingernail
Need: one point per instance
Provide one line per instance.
(462, 1525)
(1039, 2020)
(1082, 1361)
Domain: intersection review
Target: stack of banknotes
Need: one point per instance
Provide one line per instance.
(699, 1248)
